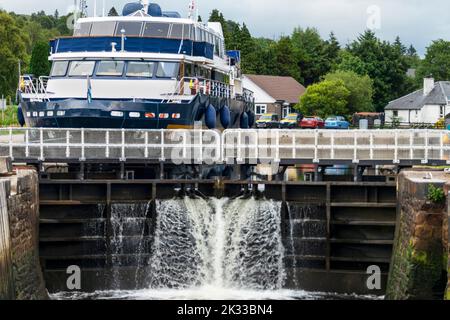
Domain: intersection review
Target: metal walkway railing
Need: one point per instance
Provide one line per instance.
(230, 146)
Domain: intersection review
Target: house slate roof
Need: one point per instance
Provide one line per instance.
(280, 88)
(416, 100)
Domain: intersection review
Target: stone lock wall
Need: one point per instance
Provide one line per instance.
(24, 276)
(419, 262)
(447, 235)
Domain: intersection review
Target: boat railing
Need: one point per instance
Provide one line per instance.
(34, 86)
(246, 96)
(189, 86)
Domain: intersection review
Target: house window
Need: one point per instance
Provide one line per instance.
(260, 109)
(442, 112)
(395, 113)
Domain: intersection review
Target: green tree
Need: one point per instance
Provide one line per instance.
(113, 12)
(39, 64)
(324, 99)
(349, 62)
(285, 59)
(436, 62)
(217, 16)
(386, 65)
(13, 46)
(247, 47)
(315, 57)
(263, 59)
(360, 88)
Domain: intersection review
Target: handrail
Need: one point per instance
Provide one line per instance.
(35, 86)
(230, 146)
(206, 86)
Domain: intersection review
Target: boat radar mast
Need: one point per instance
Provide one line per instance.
(191, 14)
(145, 4)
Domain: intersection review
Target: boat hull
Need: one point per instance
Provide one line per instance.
(76, 113)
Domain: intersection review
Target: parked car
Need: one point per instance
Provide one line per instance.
(312, 123)
(268, 121)
(337, 123)
(293, 120)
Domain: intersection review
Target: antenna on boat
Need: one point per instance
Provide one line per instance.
(95, 8)
(145, 4)
(191, 10)
(104, 5)
(83, 8)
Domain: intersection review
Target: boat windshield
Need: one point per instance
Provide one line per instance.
(110, 68)
(130, 28)
(167, 70)
(81, 68)
(140, 69)
(158, 30)
(59, 68)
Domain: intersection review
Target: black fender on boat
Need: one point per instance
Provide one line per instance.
(20, 116)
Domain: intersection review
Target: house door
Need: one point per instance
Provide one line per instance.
(286, 111)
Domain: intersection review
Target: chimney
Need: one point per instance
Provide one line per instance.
(428, 85)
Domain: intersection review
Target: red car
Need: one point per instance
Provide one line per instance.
(312, 123)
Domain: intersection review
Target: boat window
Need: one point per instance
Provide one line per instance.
(104, 28)
(110, 68)
(219, 76)
(140, 69)
(81, 68)
(198, 34)
(167, 70)
(158, 30)
(82, 29)
(187, 32)
(177, 31)
(131, 28)
(193, 37)
(217, 46)
(189, 70)
(59, 68)
(204, 36)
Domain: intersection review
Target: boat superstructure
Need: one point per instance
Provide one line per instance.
(145, 69)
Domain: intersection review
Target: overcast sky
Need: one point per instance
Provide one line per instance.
(417, 22)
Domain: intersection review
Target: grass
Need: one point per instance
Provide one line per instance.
(8, 118)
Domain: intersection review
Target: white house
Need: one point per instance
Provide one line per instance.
(274, 94)
(425, 106)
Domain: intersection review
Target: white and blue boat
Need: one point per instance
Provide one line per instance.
(146, 69)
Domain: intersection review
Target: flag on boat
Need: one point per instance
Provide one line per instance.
(89, 90)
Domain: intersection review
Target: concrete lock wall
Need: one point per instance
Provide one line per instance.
(20, 273)
(419, 263)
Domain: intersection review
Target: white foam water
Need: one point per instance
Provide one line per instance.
(218, 249)
(220, 244)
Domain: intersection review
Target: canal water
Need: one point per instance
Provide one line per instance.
(210, 249)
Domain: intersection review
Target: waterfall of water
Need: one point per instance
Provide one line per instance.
(128, 222)
(218, 243)
(292, 245)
